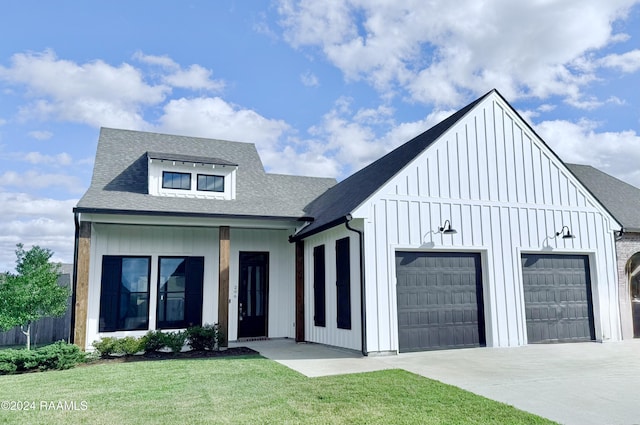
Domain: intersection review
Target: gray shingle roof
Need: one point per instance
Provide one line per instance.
(332, 206)
(119, 182)
(621, 199)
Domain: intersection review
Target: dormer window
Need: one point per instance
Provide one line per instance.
(173, 180)
(209, 183)
(191, 176)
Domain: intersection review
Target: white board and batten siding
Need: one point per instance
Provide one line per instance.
(505, 193)
(330, 334)
(157, 241)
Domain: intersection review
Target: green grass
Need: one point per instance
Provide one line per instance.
(244, 390)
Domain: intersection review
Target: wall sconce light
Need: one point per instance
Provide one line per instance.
(567, 234)
(446, 228)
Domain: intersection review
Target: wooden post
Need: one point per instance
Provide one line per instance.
(223, 284)
(300, 291)
(82, 285)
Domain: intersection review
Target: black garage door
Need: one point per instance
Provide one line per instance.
(439, 301)
(557, 298)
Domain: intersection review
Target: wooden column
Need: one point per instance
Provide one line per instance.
(82, 285)
(223, 283)
(300, 291)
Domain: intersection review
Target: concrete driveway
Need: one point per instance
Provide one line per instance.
(581, 383)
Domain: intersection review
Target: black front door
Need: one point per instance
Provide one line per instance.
(252, 296)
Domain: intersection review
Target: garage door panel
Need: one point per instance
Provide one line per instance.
(557, 294)
(446, 306)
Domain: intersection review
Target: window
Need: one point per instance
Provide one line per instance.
(343, 283)
(210, 183)
(172, 180)
(124, 293)
(319, 301)
(180, 292)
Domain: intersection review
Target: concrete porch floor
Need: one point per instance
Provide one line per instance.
(579, 383)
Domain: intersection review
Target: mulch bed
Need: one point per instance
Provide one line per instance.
(161, 355)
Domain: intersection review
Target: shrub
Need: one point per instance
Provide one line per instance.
(17, 360)
(175, 341)
(153, 341)
(59, 356)
(106, 346)
(206, 337)
(129, 345)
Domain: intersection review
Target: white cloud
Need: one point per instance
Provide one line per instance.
(309, 79)
(39, 158)
(93, 93)
(627, 62)
(439, 54)
(215, 118)
(41, 135)
(35, 221)
(615, 153)
(195, 77)
(36, 180)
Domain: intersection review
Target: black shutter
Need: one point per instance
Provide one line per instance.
(194, 276)
(109, 290)
(319, 286)
(343, 283)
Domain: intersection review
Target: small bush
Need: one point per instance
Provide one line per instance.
(175, 341)
(57, 356)
(129, 345)
(153, 341)
(106, 346)
(205, 337)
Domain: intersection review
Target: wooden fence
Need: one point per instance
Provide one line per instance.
(44, 331)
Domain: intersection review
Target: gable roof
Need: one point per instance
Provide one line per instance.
(621, 199)
(120, 179)
(333, 206)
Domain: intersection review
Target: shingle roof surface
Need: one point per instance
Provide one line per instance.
(119, 180)
(621, 199)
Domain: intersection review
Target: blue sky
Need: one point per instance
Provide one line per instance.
(322, 88)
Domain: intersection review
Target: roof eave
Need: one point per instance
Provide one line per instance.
(108, 211)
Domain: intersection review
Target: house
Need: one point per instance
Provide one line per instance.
(473, 233)
(623, 202)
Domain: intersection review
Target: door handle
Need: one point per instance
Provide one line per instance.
(240, 312)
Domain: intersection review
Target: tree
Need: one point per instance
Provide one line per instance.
(32, 292)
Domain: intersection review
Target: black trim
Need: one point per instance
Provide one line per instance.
(343, 283)
(177, 173)
(319, 287)
(216, 176)
(193, 284)
(111, 294)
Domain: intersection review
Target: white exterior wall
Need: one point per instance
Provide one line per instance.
(156, 241)
(505, 193)
(331, 334)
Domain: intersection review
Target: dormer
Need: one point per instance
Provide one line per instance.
(191, 176)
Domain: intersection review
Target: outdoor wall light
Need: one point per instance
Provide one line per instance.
(567, 234)
(446, 228)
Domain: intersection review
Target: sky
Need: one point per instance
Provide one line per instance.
(321, 87)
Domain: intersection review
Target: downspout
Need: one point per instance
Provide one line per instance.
(363, 313)
(72, 325)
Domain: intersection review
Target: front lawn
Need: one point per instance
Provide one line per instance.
(247, 389)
